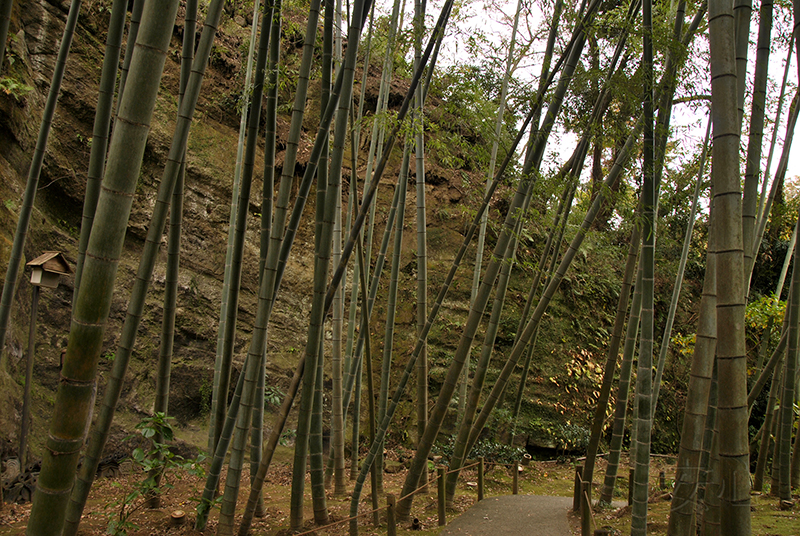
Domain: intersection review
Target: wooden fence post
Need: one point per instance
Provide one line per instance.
(441, 496)
(515, 479)
(586, 510)
(391, 518)
(576, 493)
(630, 487)
(480, 478)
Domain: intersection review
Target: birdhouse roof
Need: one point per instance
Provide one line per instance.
(52, 261)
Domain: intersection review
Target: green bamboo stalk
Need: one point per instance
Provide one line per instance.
(553, 284)
(613, 355)
(35, 170)
(237, 174)
(742, 11)
(215, 467)
(391, 304)
(319, 306)
(161, 404)
(100, 131)
(225, 359)
(145, 271)
(623, 390)
(644, 374)
(498, 125)
(421, 222)
(766, 431)
(697, 412)
(5, 20)
(676, 290)
(337, 410)
(711, 483)
(316, 463)
(323, 231)
(788, 394)
(270, 140)
(75, 396)
(756, 136)
(733, 443)
(133, 31)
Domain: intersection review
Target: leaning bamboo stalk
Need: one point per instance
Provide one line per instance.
(676, 290)
(766, 431)
(779, 109)
(613, 355)
(549, 292)
(5, 21)
(391, 302)
(34, 171)
(133, 32)
(161, 403)
(498, 125)
(100, 130)
(756, 135)
(237, 174)
(145, 271)
(623, 394)
(687, 473)
(341, 99)
(75, 396)
(224, 359)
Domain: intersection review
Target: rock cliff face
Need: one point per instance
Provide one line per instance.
(36, 29)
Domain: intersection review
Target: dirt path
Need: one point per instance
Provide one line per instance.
(512, 515)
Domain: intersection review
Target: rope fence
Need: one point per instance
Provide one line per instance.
(391, 500)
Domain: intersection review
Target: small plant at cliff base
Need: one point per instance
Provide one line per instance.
(158, 460)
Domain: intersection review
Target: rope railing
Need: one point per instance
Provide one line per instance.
(392, 501)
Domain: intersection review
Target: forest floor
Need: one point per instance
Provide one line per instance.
(554, 478)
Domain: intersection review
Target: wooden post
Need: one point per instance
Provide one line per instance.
(602, 532)
(480, 478)
(515, 480)
(586, 510)
(391, 518)
(576, 492)
(630, 487)
(441, 496)
(662, 480)
(26, 397)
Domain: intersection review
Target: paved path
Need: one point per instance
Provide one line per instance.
(513, 515)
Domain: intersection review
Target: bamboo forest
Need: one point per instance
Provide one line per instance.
(344, 267)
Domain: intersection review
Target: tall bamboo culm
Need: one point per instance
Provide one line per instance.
(75, 396)
(733, 443)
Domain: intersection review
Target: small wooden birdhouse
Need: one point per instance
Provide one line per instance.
(47, 268)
